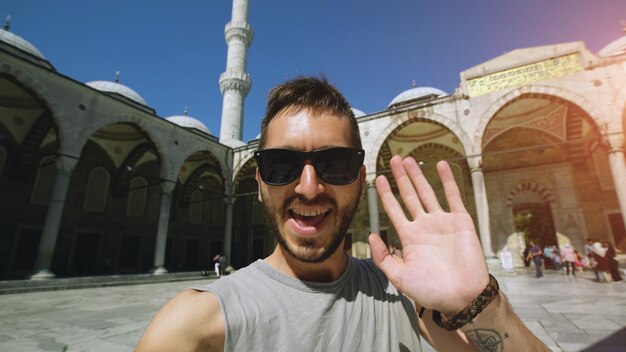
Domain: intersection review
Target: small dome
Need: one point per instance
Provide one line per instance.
(117, 88)
(617, 47)
(188, 122)
(416, 93)
(20, 43)
(357, 113)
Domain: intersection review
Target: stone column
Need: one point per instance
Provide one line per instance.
(64, 165)
(482, 204)
(229, 203)
(372, 207)
(618, 168)
(235, 82)
(167, 187)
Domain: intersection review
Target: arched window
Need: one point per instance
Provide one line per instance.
(137, 197)
(44, 181)
(97, 190)
(195, 208)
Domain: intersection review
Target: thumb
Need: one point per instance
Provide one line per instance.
(382, 258)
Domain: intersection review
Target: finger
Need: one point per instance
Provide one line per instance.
(382, 258)
(424, 190)
(390, 203)
(450, 188)
(405, 186)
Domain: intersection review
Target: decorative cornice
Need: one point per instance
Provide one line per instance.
(238, 32)
(239, 81)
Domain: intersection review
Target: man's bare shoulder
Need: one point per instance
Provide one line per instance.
(191, 321)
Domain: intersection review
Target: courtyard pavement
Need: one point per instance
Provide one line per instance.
(568, 314)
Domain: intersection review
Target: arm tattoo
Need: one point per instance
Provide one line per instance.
(487, 340)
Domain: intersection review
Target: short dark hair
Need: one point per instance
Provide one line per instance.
(309, 93)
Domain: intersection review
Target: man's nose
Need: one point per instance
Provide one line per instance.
(309, 184)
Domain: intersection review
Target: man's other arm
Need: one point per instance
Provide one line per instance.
(191, 321)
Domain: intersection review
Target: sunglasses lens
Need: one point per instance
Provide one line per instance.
(278, 166)
(339, 166)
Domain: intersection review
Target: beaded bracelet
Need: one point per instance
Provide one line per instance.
(472, 310)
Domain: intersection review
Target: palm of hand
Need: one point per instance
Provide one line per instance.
(442, 266)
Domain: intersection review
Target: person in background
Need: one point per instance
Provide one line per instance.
(547, 258)
(592, 263)
(217, 261)
(556, 258)
(610, 256)
(536, 255)
(601, 266)
(580, 262)
(569, 258)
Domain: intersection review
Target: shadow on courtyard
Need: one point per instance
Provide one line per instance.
(614, 343)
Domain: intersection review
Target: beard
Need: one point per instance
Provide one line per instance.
(312, 250)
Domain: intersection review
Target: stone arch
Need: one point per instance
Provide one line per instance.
(371, 155)
(190, 185)
(40, 92)
(530, 91)
(246, 171)
(125, 174)
(542, 191)
(222, 169)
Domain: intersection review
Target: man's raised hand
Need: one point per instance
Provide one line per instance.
(442, 265)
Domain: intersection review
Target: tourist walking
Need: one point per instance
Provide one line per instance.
(613, 264)
(600, 264)
(557, 259)
(536, 254)
(591, 260)
(569, 258)
(217, 261)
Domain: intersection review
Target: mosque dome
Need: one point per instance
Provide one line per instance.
(617, 47)
(188, 122)
(20, 43)
(117, 88)
(416, 93)
(357, 113)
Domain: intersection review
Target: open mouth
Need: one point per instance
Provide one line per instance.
(308, 222)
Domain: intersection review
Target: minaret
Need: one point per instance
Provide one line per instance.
(235, 82)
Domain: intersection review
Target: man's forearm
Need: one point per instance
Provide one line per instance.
(498, 328)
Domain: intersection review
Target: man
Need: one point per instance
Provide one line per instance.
(535, 254)
(590, 254)
(569, 256)
(309, 294)
(217, 262)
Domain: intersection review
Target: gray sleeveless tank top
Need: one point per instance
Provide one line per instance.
(265, 310)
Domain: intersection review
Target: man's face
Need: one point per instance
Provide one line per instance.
(310, 216)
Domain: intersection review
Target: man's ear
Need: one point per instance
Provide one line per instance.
(362, 180)
(258, 182)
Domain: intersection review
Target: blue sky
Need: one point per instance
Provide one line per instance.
(172, 52)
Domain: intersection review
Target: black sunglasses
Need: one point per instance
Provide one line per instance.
(336, 166)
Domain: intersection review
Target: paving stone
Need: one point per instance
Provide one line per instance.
(568, 314)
